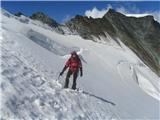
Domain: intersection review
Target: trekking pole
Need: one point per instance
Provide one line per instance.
(58, 82)
(58, 78)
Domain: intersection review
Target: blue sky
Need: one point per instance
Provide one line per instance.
(64, 10)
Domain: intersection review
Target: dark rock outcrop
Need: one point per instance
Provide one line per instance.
(88, 27)
(142, 35)
(45, 19)
(18, 14)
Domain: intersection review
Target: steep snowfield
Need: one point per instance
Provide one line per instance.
(32, 56)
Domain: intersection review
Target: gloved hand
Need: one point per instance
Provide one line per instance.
(61, 73)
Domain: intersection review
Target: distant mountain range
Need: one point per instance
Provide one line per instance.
(141, 35)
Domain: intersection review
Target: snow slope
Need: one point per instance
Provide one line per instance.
(32, 57)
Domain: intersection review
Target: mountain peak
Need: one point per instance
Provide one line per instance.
(18, 14)
(135, 32)
(112, 12)
(44, 18)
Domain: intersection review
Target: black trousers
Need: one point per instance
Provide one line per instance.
(75, 75)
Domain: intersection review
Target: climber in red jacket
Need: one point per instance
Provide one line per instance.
(74, 64)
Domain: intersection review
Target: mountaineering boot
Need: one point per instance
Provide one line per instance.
(74, 86)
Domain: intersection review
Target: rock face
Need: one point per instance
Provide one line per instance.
(142, 35)
(44, 18)
(88, 27)
(40, 16)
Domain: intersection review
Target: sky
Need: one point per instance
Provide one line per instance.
(64, 10)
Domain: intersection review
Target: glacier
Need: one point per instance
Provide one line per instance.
(32, 56)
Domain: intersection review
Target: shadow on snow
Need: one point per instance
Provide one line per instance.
(102, 99)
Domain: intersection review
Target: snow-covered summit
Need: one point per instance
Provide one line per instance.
(32, 57)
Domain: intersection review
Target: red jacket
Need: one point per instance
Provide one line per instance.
(74, 64)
